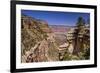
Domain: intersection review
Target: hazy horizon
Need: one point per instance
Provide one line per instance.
(57, 18)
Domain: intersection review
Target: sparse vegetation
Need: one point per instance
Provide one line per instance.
(40, 44)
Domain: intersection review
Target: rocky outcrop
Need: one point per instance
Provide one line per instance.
(35, 46)
(41, 42)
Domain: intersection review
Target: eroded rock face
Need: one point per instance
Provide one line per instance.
(35, 46)
(41, 42)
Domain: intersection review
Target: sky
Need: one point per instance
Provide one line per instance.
(56, 18)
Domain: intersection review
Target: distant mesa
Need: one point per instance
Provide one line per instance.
(61, 28)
